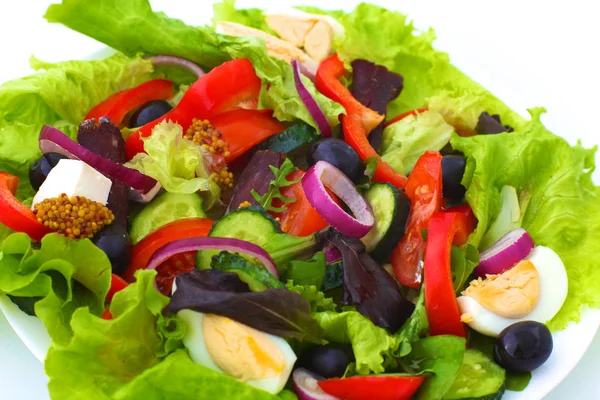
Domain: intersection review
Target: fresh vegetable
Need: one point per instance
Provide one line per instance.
(467, 212)
(164, 209)
(116, 285)
(306, 386)
(275, 311)
(339, 154)
(173, 61)
(257, 277)
(257, 177)
(424, 189)
(442, 309)
(513, 247)
(117, 106)
(328, 361)
(333, 275)
(181, 229)
(462, 263)
(406, 140)
(274, 189)
(507, 219)
(39, 170)
(390, 223)
(293, 139)
(358, 121)
(317, 300)
(490, 124)
(211, 243)
(323, 175)
(149, 112)
(368, 286)
(384, 387)
(16, 215)
(144, 188)
(523, 346)
(374, 86)
(400, 117)
(453, 170)
(311, 105)
(478, 377)
(308, 272)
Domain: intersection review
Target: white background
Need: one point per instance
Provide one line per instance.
(528, 53)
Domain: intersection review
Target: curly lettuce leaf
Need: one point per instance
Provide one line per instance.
(66, 274)
(317, 300)
(104, 355)
(563, 211)
(252, 17)
(133, 28)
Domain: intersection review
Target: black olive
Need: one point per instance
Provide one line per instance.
(39, 170)
(115, 242)
(338, 153)
(329, 361)
(149, 112)
(523, 347)
(453, 169)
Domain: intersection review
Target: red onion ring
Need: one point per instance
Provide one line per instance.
(513, 247)
(306, 386)
(176, 62)
(310, 102)
(212, 243)
(322, 175)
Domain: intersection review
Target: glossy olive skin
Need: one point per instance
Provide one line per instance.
(39, 170)
(115, 242)
(338, 153)
(523, 347)
(453, 169)
(149, 112)
(329, 361)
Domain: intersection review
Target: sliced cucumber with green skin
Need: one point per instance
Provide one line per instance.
(293, 138)
(478, 378)
(166, 208)
(391, 208)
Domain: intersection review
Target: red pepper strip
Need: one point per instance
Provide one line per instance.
(117, 106)
(180, 229)
(380, 387)
(243, 129)
(424, 189)
(467, 212)
(445, 228)
(358, 121)
(225, 87)
(400, 117)
(116, 285)
(15, 214)
(107, 315)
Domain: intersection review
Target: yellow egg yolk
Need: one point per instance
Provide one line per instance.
(240, 351)
(511, 294)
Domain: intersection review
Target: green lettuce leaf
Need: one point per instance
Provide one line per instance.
(67, 274)
(317, 300)
(252, 17)
(406, 140)
(563, 211)
(134, 28)
(308, 272)
(104, 355)
(175, 162)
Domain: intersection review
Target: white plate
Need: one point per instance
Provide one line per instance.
(484, 58)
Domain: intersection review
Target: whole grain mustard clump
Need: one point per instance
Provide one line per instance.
(75, 217)
(204, 134)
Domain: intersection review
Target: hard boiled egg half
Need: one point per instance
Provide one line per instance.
(533, 290)
(244, 353)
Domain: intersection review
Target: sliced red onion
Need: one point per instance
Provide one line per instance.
(310, 103)
(143, 188)
(306, 72)
(306, 386)
(177, 62)
(513, 247)
(332, 255)
(322, 175)
(213, 243)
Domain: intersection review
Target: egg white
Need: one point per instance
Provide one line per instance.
(554, 286)
(194, 342)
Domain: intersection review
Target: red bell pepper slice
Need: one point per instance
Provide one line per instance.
(424, 189)
(469, 215)
(117, 106)
(225, 87)
(107, 315)
(181, 229)
(358, 121)
(380, 387)
(404, 115)
(243, 129)
(445, 229)
(116, 285)
(15, 214)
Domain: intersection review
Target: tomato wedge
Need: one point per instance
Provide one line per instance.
(116, 285)
(181, 229)
(424, 189)
(380, 387)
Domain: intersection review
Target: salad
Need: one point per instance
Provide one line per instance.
(304, 203)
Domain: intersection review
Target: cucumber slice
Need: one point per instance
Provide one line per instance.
(391, 208)
(293, 138)
(166, 208)
(478, 378)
